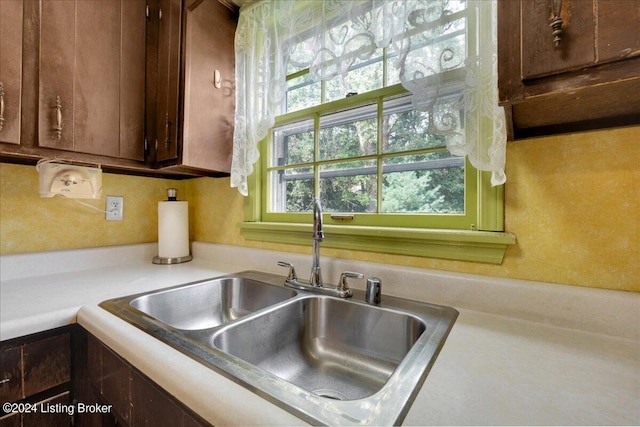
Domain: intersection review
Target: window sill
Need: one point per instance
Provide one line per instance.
(462, 245)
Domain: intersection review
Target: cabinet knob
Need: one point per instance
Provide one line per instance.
(58, 126)
(556, 21)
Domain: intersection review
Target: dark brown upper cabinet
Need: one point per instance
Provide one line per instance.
(11, 18)
(137, 86)
(193, 77)
(589, 79)
(91, 77)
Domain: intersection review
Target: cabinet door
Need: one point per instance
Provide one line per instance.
(11, 13)
(168, 78)
(135, 399)
(92, 77)
(209, 95)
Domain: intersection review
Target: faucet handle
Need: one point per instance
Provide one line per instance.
(343, 285)
(292, 271)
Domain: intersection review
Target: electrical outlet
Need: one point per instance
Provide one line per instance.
(114, 208)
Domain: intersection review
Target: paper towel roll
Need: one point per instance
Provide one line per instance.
(173, 229)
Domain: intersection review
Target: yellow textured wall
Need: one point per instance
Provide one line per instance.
(573, 202)
(29, 223)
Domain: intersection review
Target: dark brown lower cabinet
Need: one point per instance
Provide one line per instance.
(68, 377)
(35, 375)
(135, 399)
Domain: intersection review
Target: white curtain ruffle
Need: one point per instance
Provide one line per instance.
(274, 37)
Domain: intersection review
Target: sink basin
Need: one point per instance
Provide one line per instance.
(211, 303)
(327, 360)
(330, 347)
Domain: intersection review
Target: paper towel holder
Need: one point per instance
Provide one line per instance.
(171, 196)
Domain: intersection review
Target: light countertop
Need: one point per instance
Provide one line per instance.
(494, 369)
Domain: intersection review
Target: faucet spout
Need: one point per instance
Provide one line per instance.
(318, 236)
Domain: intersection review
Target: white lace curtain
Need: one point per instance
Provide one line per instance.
(276, 37)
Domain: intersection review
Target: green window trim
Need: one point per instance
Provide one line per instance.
(479, 244)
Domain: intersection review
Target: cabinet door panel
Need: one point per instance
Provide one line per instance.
(539, 55)
(47, 363)
(11, 15)
(132, 79)
(615, 40)
(97, 79)
(57, 54)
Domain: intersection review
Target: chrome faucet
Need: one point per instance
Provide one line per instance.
(315, 283)
(318, 236)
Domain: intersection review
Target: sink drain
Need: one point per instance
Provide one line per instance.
(330, 394)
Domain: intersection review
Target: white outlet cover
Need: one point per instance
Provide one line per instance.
(75, 182)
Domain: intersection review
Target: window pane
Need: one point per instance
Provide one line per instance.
(349, 187)
(350, 133)
(293, 143)
(404, 128)
(362, 77)
(292, 190)
(302, 93)
(424, 183)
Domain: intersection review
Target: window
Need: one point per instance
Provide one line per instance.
(380, 166)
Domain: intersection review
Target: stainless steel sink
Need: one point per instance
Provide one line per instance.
(326, 360)
(330, 347)
(210, 303)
